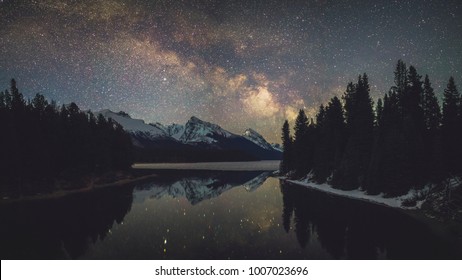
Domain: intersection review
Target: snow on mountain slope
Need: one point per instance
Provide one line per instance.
(135, 126)
(195, 132)
(256, 138)
(277, 147)
(175, 130)
(198, 131)
(159, 126)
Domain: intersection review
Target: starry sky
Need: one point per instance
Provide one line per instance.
(239, 64)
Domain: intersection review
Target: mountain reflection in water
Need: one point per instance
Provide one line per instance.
(213, 215)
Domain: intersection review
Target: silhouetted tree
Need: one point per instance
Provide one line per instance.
(330, 141)
(413, 129)
(379, 113)
(401, 78)
(432, 137)
(451, 137)
(402, 146)
(431, 107)
(360, 132)
(299, 145)
(41, 143)
(286, 163)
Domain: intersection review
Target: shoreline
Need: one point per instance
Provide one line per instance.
(449, 230)
(356, 194)
(63, 193)
(141, 172)
(262, 165)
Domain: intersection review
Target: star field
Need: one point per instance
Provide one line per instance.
(238, 64)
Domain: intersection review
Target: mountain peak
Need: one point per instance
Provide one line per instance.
(104, 112)
(257, 138)
(123, 114)
(195, 119)
(249, 132)
(199, 131)
(134, 126)
(196, 133)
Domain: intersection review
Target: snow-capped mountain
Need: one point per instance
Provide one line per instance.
(135, 126)
(256, 138)
(195, 141)
(197, 131)
(175, 130)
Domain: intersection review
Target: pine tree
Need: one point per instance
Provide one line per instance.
(451, 137)
(44, 143)
(399, 154)
(2, 101)
(299, 144)
(401, 78)
(412, 97)
(320, 116)
(414, 129)
(17, 100)
(379, 113)
(360, 130)
(349, 98)
(320, 165)
(301, 126)
(432, 140)
(286, 163)
(385, 168)
(431, 108)
(333, 134)
(7, 99)
(39, 104)
(329, 140)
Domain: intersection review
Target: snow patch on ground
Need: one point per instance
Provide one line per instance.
(395, 202)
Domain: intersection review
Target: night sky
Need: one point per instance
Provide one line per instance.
(238, 64)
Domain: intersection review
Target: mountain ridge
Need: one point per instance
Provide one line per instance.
(196, 136)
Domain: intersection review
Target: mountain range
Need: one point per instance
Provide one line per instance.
(197, 140)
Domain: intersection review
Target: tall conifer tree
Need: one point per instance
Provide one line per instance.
(286, 163)
(360, 125)
(451, 134)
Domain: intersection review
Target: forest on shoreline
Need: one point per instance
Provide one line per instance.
(44, 145)
(406, 140)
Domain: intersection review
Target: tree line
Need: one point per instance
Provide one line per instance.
(41, 143)
(406, 140)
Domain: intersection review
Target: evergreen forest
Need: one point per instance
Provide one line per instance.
(43, 145)
(405, 140)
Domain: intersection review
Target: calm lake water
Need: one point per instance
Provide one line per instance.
(213, 215)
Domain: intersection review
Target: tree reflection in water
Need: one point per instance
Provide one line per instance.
(350, 229)
(65, 228)
(213, 215)
(61, 228)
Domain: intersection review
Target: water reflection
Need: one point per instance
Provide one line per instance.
(212, 215)
(358, 230)
(61, 228)
(197, 186)
(67, 227)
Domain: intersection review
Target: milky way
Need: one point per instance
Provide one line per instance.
(239, 64)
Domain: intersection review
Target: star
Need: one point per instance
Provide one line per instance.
(238, 63)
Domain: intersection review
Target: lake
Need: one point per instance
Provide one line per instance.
(200, 214)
